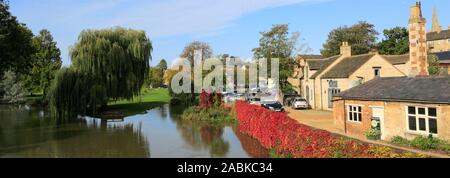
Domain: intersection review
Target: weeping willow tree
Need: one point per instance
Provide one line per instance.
(106, 65)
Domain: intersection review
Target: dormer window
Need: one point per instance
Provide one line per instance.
(377, 72)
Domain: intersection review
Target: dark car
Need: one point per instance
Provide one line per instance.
(273, 105)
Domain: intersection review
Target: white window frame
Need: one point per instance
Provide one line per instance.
(359, 114)
(427, 117)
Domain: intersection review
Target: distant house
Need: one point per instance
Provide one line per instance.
(402, 106)
(438, 39)
(295, 80)
(444, 61)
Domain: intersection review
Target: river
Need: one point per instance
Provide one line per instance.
(158, 133)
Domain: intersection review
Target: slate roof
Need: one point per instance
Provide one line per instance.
(316, 64)
(325, 64)
(433, 36)
(311, 56)
(443, 55)
(397, 59)
(410, 89)
(347, 66)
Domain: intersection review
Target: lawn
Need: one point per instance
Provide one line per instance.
(149, 99)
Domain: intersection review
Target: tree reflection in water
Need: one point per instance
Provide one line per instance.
(26, 133)
(39, 137)
(201, 135)
(204, 136)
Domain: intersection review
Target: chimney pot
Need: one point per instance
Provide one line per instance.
(346, 50)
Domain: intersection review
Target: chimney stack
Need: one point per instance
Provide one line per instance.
(346, 50)
(418, 63)
(373, 51)
(448, 28)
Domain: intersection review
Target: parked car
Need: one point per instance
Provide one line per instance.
(254, 101)
(299, 103)
(234, 97)
(273, 105)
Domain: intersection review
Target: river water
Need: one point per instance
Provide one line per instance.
(158, 133)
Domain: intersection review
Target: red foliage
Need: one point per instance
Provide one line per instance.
(208, 99)
(277, 130)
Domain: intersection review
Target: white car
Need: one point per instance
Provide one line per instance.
(299, 103)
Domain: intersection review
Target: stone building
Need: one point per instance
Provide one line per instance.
(295, 80)
(403, 106)
(444, 61)
(321, 79)
(399, 106)
(438, 38)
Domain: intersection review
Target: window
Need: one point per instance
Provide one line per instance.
(422, 120)
(354, 113)
(377, 72)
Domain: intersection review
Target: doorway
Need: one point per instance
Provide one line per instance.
(378, 119)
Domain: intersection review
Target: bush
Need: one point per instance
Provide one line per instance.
(212, 114)
(12, 88)
(208, 100)
(423, 143)
(426, 143)
(373, 133)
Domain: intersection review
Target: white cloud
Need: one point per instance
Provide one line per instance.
(157, 17)
(179, 17)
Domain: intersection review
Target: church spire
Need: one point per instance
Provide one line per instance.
(436, 27)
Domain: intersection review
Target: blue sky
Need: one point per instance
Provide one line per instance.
(229, 26)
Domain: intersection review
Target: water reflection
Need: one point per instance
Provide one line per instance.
(157, 133)
(39, 137)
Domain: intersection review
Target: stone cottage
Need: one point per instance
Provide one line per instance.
(400, 106)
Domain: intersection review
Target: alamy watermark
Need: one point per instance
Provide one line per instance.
(240, 77)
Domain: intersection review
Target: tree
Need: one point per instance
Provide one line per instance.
(45, 63)
(162, 65)
(189, 51)
(13, 91)
(279, 43)
(169, 74)
(361, 36)
(15, 42)
(395, 42)
(155, 79)
(107, 65)
(433, 65)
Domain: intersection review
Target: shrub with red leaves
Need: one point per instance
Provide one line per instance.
(276, 130)
(208, 99)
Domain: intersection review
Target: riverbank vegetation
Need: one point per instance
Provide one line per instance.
(210, 109)
(287, 138)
